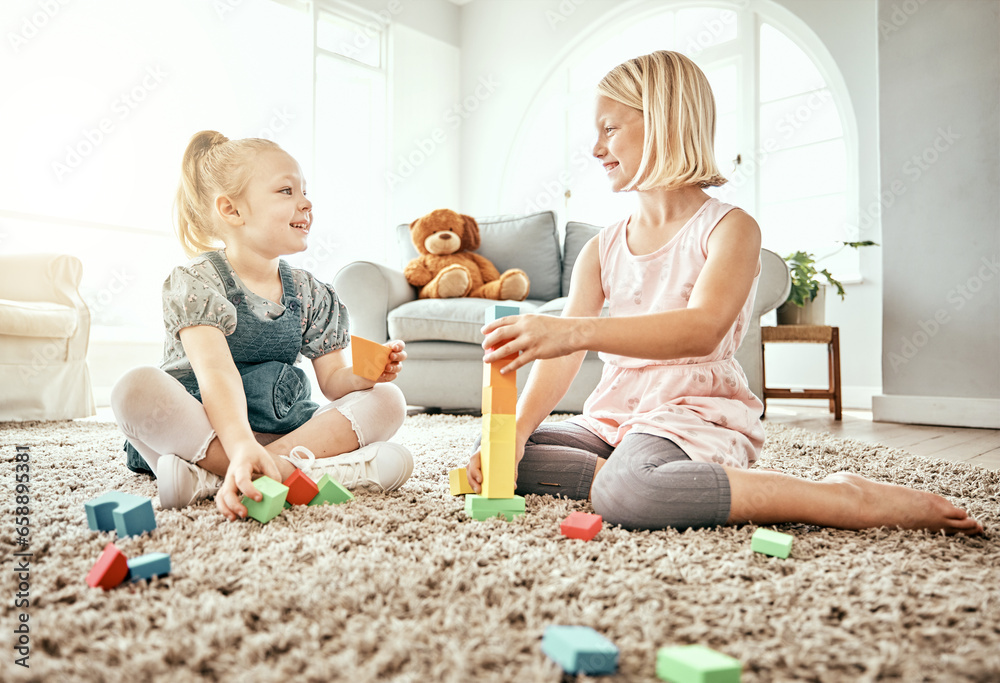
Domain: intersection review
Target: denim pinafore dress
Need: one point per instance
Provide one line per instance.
(278, 393)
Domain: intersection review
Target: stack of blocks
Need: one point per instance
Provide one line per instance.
(499, 430)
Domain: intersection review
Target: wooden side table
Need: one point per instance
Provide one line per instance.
(807, 334)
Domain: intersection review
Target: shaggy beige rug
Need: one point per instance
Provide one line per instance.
(404, 587)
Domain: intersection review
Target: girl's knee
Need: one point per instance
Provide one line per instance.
(381, 414)
(131, 392)
(612, 499)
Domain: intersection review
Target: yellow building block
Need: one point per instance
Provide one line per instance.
(459, 482)
(493, 378)
(499, 427)
(497, 462)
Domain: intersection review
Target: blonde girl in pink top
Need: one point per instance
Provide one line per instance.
(668, 435)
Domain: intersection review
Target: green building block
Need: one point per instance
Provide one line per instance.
(271, 505)
(696, 664)
(481, 508)
(330, 491)
(771, 543)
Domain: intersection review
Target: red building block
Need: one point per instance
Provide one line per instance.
(110, 569)
(301, 489)
(582, 525)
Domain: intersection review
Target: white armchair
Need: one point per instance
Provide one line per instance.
(44, 332)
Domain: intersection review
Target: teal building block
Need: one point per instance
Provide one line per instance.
(149, 565)
(481, 508)
(497, 311)
(771, 543)
(696, 664)
(127, 514)
(331, 491)
(274, 498)
(580, 650)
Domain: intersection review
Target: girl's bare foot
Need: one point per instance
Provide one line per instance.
(891, 505)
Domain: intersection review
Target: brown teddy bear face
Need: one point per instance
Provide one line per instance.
(443, 232)
(443, 242)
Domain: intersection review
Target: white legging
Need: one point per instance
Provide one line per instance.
(158, 416)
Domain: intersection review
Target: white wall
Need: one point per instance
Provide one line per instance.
(424, 164)
(939, 75)
(518, 43)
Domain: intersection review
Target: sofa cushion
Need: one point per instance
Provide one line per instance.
(529, 242)
(577, 235)
(37, 319)
(457, 320)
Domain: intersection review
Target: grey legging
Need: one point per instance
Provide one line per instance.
(648, 482)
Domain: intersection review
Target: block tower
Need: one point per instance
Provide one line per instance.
(499, 429)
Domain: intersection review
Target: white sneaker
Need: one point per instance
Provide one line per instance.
(382, 465)
(182, 483)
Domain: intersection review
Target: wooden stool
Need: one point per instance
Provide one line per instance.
(807, 334)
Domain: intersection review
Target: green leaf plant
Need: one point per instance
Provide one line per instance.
(805, 276)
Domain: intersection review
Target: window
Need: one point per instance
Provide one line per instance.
(350, 143)
(98, 151)
(780, 132)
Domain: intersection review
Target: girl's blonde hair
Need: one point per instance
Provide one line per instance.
(213, 165)
(678, 115)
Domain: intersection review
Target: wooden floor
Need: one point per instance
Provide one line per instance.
(956, 444)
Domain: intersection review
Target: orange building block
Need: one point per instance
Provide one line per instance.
(493, 378)
(368, 358)
(499, 400)
(110, 569)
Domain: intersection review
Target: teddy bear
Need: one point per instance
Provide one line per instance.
(447, 268)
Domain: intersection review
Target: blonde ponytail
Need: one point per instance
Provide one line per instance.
(213, 165)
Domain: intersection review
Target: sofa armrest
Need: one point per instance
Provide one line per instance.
(41, 277)
(53, 278)
(370, 291)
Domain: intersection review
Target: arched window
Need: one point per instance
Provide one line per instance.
(785, 128)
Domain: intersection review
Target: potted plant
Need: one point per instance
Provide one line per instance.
(806, 301)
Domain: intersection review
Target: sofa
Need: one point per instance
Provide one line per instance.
(44, 332)
(443, 339)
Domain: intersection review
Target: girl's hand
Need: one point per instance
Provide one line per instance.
(474, 470)
(534, 336)
(244, 462)
(395, 363)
